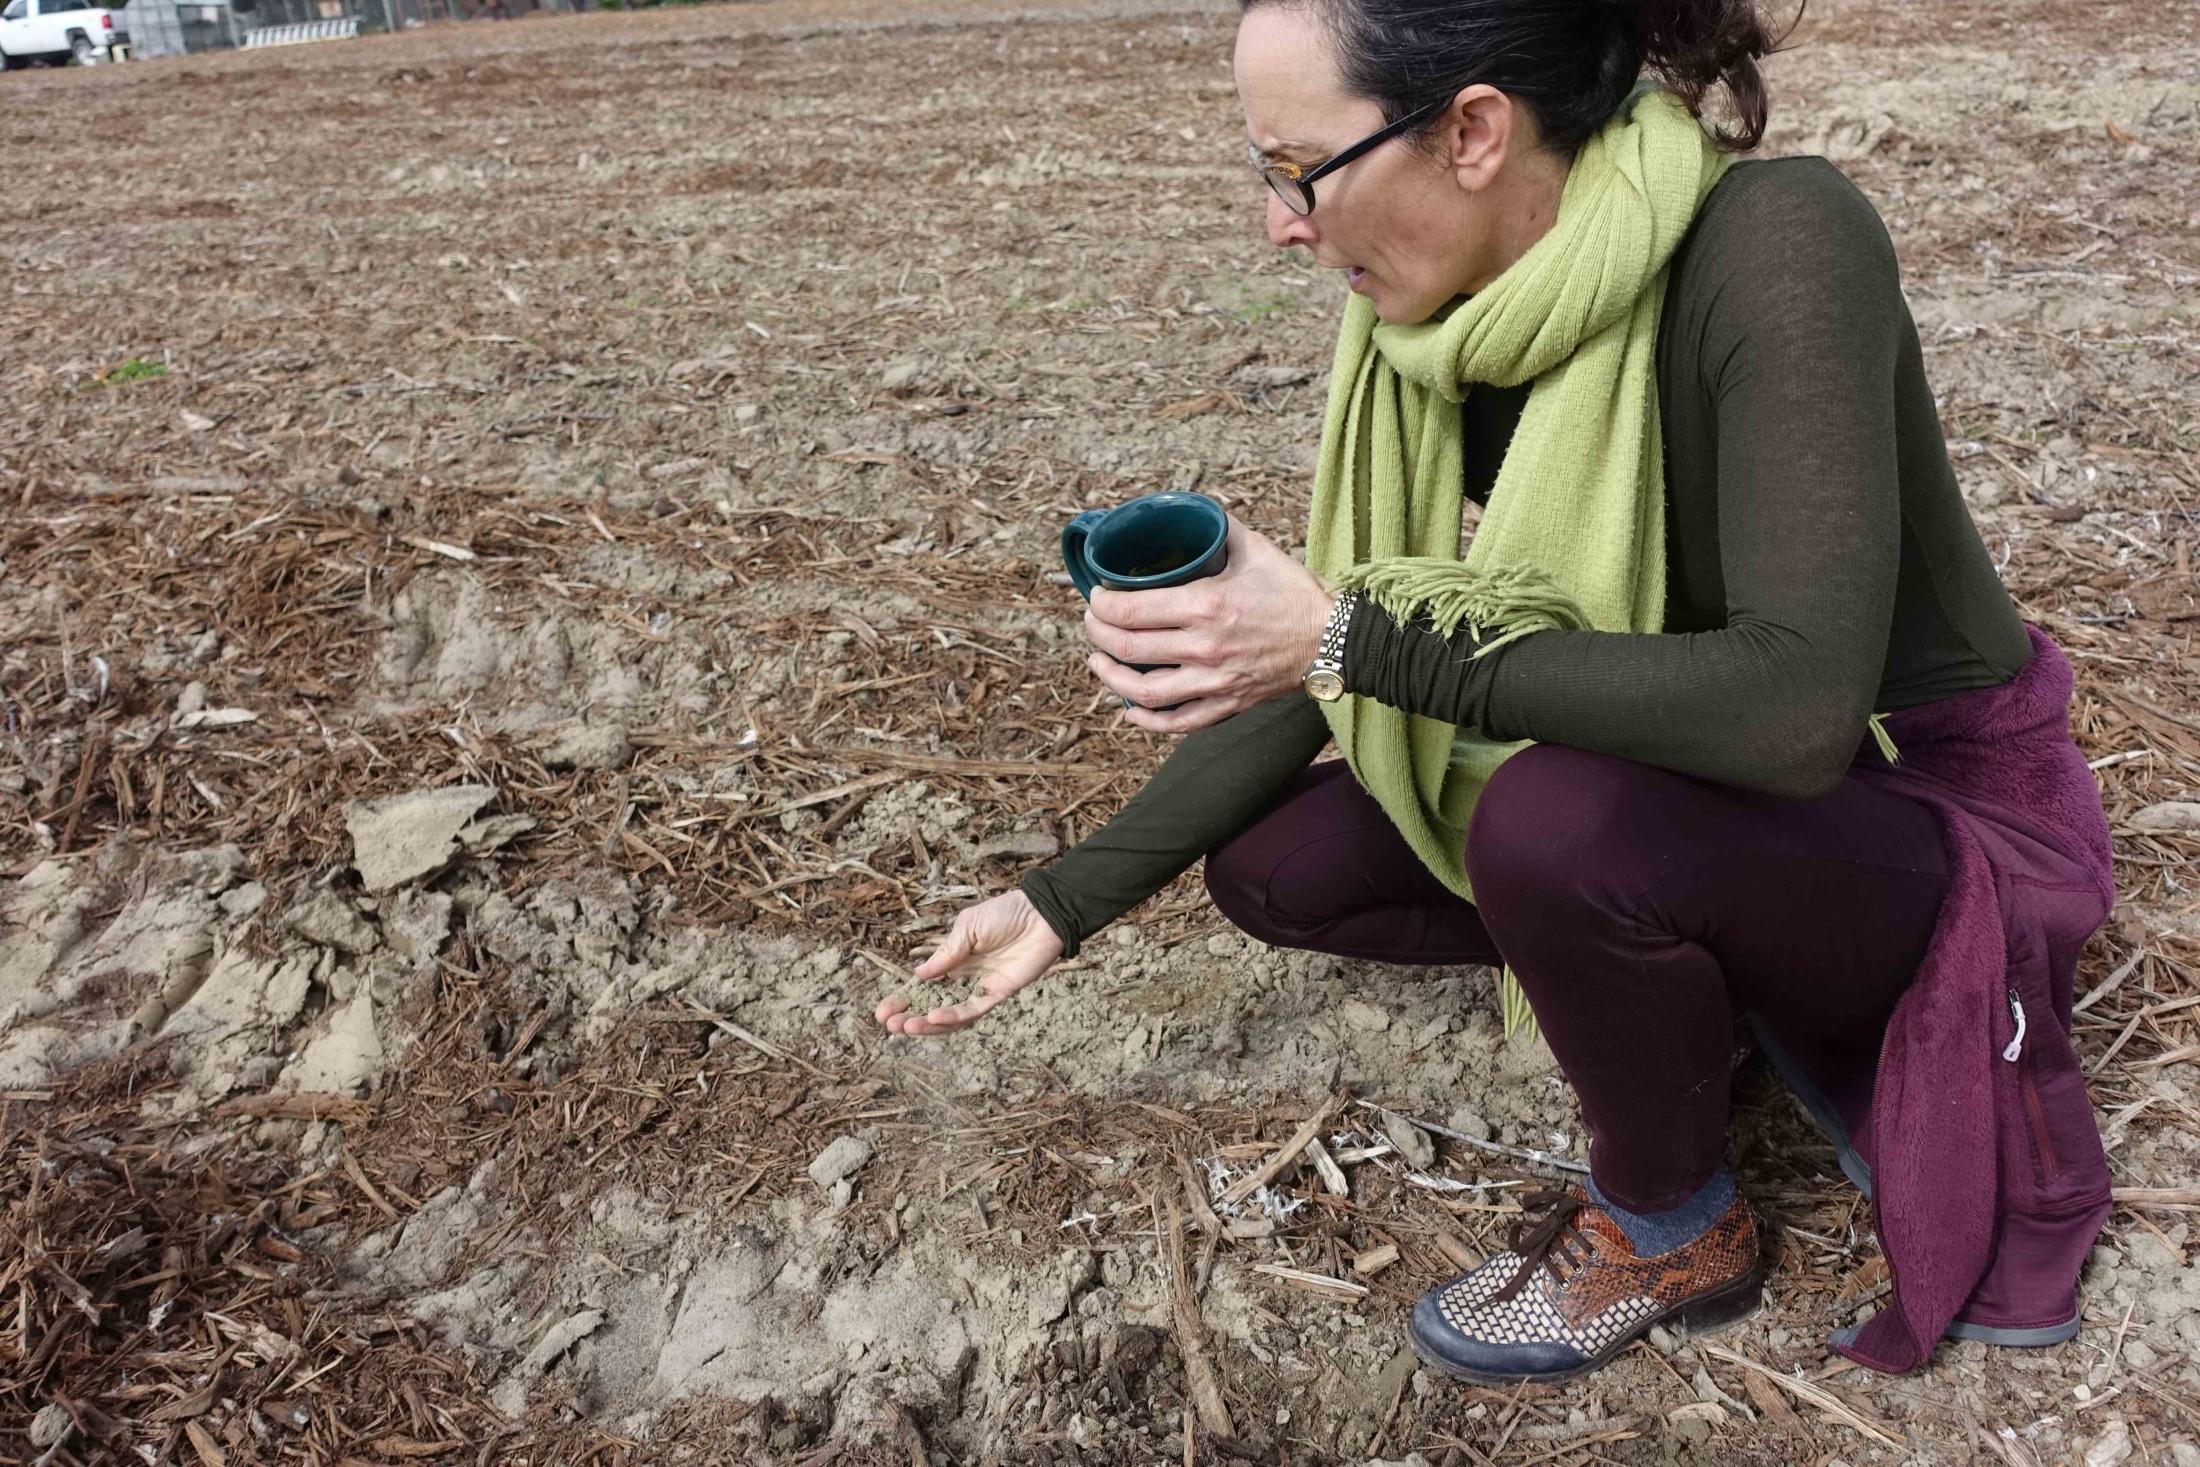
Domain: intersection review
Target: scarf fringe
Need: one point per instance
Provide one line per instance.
(1512, 601)
(1887, 750)
(1513, 1007)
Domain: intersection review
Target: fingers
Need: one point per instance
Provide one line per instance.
(949, 955)
(1165, 644)
(961, 1015)
(1169, 606)
(1161, 687)
(1190, 718)
(894, 1014)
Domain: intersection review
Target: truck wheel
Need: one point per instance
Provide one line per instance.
(81, 49)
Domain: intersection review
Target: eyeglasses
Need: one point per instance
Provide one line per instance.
(1295, 185)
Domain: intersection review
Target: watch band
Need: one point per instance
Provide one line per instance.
(1325, 679)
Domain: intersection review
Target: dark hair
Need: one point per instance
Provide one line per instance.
(1572, 62)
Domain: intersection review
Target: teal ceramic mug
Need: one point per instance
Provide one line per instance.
(1152, 541)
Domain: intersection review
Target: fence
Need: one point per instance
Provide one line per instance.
(173, 27)
(312, 30)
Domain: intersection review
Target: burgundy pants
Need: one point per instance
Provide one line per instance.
(1644, 914)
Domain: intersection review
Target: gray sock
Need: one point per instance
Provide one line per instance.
(1653, 1233)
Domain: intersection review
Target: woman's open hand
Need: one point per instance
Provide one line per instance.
(1236, 639)
(1003, 943)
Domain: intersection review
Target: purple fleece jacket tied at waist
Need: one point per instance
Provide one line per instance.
(1989, 1176)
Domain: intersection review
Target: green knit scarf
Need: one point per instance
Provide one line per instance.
(1574, 533)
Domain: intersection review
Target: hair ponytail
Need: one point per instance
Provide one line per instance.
(1696, 45)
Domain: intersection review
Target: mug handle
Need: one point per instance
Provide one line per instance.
(1074, 535)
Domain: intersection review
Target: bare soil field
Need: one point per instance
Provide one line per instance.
(528, 597)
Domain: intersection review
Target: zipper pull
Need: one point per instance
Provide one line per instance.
(2015, 1047)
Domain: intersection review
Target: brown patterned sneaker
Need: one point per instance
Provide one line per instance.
(1572, 1292)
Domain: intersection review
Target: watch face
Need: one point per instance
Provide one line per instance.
(1325, 685)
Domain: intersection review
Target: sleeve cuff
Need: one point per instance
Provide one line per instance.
(1038, 886)
(1371, 644)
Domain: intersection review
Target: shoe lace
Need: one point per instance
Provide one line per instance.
(1555, 1234)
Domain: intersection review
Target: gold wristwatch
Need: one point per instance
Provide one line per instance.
(1325, 679)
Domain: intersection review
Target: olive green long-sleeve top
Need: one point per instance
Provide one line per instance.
(1821, 563)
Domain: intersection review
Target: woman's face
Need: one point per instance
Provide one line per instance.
(1410, 230)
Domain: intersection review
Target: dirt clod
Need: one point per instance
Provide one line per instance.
(406, 837)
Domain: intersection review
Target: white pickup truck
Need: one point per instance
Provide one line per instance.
(59, 31)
